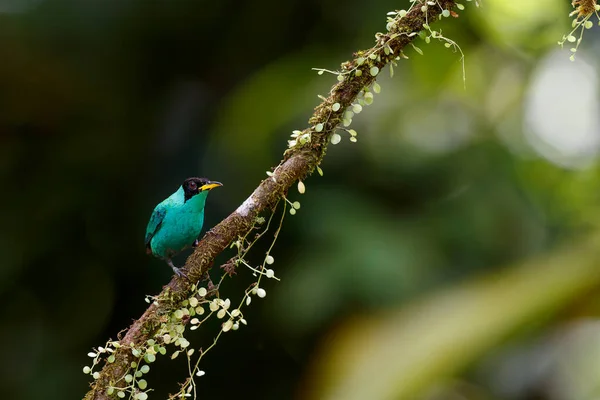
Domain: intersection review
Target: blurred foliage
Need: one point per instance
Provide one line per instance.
(105, 107)
(398, 354)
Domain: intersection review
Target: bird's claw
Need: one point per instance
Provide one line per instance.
(179, 272)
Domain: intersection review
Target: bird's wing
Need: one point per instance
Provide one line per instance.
(158, 215)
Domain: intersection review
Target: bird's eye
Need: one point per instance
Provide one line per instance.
(192, 185)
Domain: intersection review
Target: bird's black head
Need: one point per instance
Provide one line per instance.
(193, 186)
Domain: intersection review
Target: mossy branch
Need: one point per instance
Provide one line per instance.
(299, 161)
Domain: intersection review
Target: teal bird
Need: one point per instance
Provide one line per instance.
(176, 223)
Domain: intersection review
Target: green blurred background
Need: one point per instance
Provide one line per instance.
(449, 254)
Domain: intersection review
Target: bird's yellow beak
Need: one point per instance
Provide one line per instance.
(210, 185)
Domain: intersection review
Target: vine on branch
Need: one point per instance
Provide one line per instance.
(185, 302)
(583, 12)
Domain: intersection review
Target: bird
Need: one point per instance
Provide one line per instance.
(176, 222)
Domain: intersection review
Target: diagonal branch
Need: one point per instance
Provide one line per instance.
(299, 161)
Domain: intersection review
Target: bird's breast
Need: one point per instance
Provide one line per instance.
(186, 223)
(178, 231)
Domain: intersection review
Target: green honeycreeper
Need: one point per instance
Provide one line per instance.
(176, 223)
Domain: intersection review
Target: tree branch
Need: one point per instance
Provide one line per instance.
(299, 161)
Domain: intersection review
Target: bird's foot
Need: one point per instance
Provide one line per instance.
(195, 244)
(180, 273)
(177, 271)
